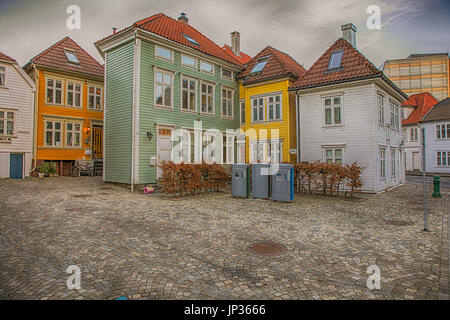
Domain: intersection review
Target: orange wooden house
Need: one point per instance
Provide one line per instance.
(69, 106)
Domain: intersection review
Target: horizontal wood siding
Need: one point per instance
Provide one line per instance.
(118, 122)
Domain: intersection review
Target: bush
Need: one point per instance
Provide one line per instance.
(187, 179)
(327, 177)
(46, 168)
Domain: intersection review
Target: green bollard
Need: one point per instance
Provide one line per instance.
(437, 187)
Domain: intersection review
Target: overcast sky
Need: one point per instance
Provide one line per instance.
(302, 28)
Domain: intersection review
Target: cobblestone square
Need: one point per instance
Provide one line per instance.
(151, 247)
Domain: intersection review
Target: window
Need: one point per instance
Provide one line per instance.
(333, 110)
(380, 102)
(163, 89)
(275, 148)
(185, 146)
(443, 158)
(413, 134)
(258, 110)
(274, 108)
(393, 164)
(54, 91)
(259, 67)
(71, 56)
(206, 66)
(335, 60)
(73, 134)
(95, 98)
(188, 61)
(73, 97)
(189, 93)
(164, 53)
(209, 145)
(394, 115)
(227, 102)
(53, 132)
(333, 155)
(229, 148)
(383, 163)
(7, 122)
(443, 131)
(191, 40)
(2, 76)
(242, 107)
(227, 74)
(262, 152)
(207, 98)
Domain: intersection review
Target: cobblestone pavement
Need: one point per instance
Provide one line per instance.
(150, 247)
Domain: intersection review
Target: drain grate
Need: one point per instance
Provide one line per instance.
(400, 223)
(81, 195)
(267, 249)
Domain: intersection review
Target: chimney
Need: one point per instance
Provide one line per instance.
(236, 43)
(349, 33)
(114, 30)
(183, 18)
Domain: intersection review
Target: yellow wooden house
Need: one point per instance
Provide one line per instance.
(267, 110)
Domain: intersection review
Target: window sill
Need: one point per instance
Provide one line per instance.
(209, 114)
(228, 117)
(189, 111)
(333, 126)
(4, 87)
(98, 110)
(165, 59)
(157, 106)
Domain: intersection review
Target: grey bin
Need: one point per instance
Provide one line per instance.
(260, 181)
(240, 176)
(283, 183)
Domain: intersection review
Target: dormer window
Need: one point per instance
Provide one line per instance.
(259, 67)
(335, 60)
(71, 56)
(191, 40)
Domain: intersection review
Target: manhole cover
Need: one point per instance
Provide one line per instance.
(399, 222)
(267, 249)
(81, 195)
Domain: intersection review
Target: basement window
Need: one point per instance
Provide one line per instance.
(335, 60)
(71, 56)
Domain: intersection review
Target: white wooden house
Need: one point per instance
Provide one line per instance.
(349, 111)
(16, 119)
(437, 137)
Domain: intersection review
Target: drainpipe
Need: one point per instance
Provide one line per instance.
(35, 122)
(297, 112)
(133, 131)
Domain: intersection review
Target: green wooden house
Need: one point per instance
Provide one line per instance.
(161, 75)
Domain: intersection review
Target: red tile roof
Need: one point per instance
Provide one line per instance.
(354, 65)
(243, 57)
(55, 57)
(279, 64)
(423, 103)
(4, 57)
(175, 30)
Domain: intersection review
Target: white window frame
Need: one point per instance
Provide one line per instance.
(333, 154)
(5, 75)
(393, 164)
(382, 153)
(332, 106)
(394, 115)
(54, 89)
(5, 121)
(187, 65)
(380, 109)
(225, 77)
(413, 134)
(156, 83)
(229, 148)
(161, 57)
(74, 133)
(242, 103)
(227, 101)
(212, 96)
(258, 107)
(278, 150)
(95, 95)
(53, 130)
(444, 131)
(444, 156)
(274, 96)
(74, 92)
(208, 72)
(195, 110)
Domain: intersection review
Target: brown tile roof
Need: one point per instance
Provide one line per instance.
(279, 64)
(423, 102)
(175, 30)
(354, 65)
(55, 57)
(243, 57)
(4, 57)
(440, 111)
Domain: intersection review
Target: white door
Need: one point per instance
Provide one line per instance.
(164, 147)
(416, 160)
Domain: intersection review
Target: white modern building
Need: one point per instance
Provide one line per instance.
(349, 111)
(437, 137)
(16, 119)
